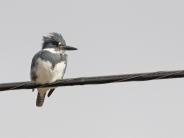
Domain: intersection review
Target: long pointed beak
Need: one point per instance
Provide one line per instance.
(68, 48)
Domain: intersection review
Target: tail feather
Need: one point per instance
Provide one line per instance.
(40, 99)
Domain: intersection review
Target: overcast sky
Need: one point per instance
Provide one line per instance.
(113, 37)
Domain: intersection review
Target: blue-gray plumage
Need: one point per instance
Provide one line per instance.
(54, 59)
(49, 64)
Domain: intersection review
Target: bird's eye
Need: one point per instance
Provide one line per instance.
(54, 43)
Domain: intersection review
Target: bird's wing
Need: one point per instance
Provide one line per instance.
(34, 66)
(50, 92)
(33, 75)
(64, 59)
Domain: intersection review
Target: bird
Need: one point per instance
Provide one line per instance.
(49, 64)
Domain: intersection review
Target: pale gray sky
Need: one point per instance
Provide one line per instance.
(113, 37)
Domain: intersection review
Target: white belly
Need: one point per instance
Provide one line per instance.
(46, 73)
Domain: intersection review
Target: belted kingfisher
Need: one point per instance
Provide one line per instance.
(49, 64)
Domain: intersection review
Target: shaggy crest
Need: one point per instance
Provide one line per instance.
(53, 37)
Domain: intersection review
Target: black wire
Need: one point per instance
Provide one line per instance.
(96, 80)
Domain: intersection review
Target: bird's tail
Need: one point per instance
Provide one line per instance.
(40, 99)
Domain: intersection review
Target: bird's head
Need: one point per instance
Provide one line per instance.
(55, 41)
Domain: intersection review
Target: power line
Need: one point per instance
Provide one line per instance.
(96, 80)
